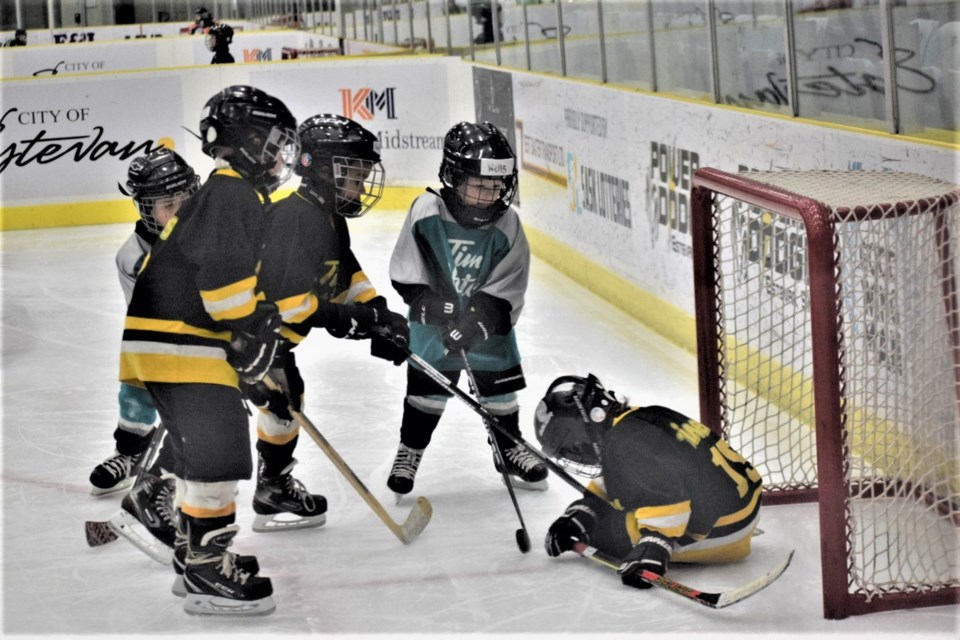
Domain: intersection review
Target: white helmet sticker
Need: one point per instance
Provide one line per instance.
(496, 167)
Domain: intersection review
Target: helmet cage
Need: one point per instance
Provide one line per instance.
(160, 178)
(358, 183)
(571, 420)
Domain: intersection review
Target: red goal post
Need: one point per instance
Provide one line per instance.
(828, 339)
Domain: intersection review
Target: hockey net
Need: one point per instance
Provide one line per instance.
(828, 336)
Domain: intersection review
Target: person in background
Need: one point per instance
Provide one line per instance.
(202, 20)
(19, 39)
(218, 40)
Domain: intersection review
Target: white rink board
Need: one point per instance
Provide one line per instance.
(46, 157)
(622, 194)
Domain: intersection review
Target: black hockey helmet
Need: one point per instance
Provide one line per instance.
(161, 174)
(571, 420)
(478, 151)
(340, 160)
(254, 132)
(218, 35)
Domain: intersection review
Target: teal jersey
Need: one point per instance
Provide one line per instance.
(434, 250)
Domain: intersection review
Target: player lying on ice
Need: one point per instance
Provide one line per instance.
(664, 487)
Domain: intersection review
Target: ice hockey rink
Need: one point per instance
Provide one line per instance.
(62, 318)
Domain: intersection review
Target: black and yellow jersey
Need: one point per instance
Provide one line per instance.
(197, 285)
(671, 475)
(307, 259)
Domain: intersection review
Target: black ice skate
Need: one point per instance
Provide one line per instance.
(179, 589)
(147, 518)
(526, 471)
(404, 470)
(114, 474)
(215, 583)
(283, 503)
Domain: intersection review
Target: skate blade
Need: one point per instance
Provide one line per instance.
(198, 604)
(126, 526)
(518, 483)
(117, 488)
(179, 587)
(275, 522)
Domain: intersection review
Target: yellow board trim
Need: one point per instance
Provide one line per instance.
(72, 214)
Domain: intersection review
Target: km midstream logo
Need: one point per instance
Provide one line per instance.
(362, 104)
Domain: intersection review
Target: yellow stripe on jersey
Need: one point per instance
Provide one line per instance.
(233, 301)
(175, 364)
(737, 516)
(173, 326)
(670, 520)
(298, 308)
(729, 548)
(290, 335)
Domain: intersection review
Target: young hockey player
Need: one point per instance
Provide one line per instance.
(218, 40)
(159, 183)
(461, 262)
(197, 325)
(316, 281)
(682, 494)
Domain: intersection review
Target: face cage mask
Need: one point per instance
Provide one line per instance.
(147, 206)
(359, 185)
(595, 408)
(277, 158)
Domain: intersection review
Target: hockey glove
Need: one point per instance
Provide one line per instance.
(351, 321)
(279, 402)
(573, 526)
(652, 553)
(431, 308)
(253, 349)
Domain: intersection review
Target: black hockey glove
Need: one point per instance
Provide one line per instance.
(573, 526)
(432, 308)
(652, 553)
(484, 316)
(280, 402)
(252, 349)
(351, 321)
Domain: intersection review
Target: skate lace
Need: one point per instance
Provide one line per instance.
(522, 458)
(163, 504)
(119, 465)
(230, 569)
(405, 466)
(299, 492)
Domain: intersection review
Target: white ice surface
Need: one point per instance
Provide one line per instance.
(62, 318)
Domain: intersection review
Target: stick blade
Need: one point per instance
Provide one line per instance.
(736, 595)
(99, 533)
(417, 521)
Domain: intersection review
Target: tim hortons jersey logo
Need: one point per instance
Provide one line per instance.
(363, 104)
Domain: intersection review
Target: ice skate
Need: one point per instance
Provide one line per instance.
(525, 470)
(217, 586)
(283, 503)
(114, 474)
(179, 589)
(404, 470)
(147, 518)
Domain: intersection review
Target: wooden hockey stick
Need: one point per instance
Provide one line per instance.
(714, 600)
(523, 538)
(422, 510)
(100, 532)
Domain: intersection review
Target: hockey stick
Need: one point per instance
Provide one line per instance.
(491, 419)
(715, 600)
(523, 538)
(420, 514)
(100, 533)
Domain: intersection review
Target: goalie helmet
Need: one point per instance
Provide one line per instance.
(254, 132)
(479, 171)
(340, 163)
(219, 36)
(159, 183)
(571, 420)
